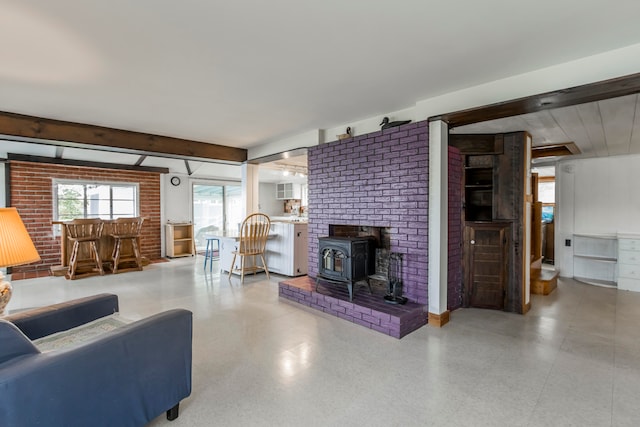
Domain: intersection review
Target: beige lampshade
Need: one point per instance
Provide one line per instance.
(16, 247)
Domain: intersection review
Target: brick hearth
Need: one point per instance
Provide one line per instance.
(367, 310)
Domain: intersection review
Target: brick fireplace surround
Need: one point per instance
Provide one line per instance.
(381, 180)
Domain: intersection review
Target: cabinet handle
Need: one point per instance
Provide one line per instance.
(473, 242)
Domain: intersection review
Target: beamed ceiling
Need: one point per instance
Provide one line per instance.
(241, 74)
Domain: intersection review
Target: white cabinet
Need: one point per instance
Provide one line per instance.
(595, 259)
(227, 246)
(629, 262)
(288, 190)
(287, 251)
(276, 248)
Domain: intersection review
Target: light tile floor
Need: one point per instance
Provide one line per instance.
(573, 360)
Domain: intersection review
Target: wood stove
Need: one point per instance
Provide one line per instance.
(345, 260)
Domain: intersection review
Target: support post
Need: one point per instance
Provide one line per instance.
(250, 188)
(438, 223)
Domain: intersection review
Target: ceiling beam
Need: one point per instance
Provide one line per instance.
(83, 163)
(22, 126)
(592, 92)
(141, 159)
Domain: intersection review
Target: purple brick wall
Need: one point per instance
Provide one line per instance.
(378, 179)
(454, 277)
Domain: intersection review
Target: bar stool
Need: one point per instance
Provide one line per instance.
(84, 232)
(210, 254)
(126, 229)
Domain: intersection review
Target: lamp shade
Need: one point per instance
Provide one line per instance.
(16, 247)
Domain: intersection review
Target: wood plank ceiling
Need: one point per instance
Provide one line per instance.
(608, 127)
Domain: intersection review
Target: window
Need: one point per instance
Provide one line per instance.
(78, 199)
(216, 208)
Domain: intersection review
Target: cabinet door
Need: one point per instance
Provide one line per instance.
(300, 250)
(227, 246)
(486, 262)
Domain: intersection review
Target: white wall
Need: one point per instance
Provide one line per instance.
(608, 65)
(177, 201)
(267, 200)
(595, 196)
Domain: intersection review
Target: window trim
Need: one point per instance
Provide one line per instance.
(54, 189)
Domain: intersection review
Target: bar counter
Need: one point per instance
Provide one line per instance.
(105, 248)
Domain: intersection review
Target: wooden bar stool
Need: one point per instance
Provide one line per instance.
(126, 229)
(84, 233)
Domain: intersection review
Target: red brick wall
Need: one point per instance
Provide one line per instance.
(31, 192)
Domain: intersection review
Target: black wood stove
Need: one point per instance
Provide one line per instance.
(345, 260)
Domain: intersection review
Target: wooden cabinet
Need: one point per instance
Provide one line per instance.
(485, 264)
(179, 240)
(629, 263)
(497, 205)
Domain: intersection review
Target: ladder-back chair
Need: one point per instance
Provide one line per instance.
(84, 233)
(254, 232)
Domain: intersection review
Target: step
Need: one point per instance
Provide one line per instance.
(543, 282)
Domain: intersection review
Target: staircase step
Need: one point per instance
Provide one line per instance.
(543, 282)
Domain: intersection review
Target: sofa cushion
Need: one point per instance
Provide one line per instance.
(13, 343)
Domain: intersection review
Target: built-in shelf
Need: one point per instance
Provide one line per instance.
(595, 258)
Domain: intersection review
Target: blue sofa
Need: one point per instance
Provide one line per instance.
(124, 377)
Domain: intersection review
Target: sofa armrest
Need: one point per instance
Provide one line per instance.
(125, 377)
(13, 343)
(48, 320)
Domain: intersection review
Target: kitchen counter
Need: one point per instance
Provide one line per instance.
(286, 251)
(290, 219)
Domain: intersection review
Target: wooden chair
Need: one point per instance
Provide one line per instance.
(254, 232)
(84, 233)
(126, 229)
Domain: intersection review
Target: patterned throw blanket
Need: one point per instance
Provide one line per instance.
(81, 334)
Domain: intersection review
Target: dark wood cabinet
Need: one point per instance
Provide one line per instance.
(495, 248)
(485, 264)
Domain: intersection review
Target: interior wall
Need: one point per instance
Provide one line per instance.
(32, 194)
(177, 199)
(455, 230)
(267, 201)
(595, 196)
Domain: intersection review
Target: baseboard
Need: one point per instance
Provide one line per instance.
(439, 320)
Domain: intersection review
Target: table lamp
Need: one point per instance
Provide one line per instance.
(16, 248)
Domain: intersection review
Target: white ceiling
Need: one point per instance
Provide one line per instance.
(247, 72)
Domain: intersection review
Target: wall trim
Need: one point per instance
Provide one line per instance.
(439, 320)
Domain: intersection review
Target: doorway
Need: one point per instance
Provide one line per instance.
(217, 208)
